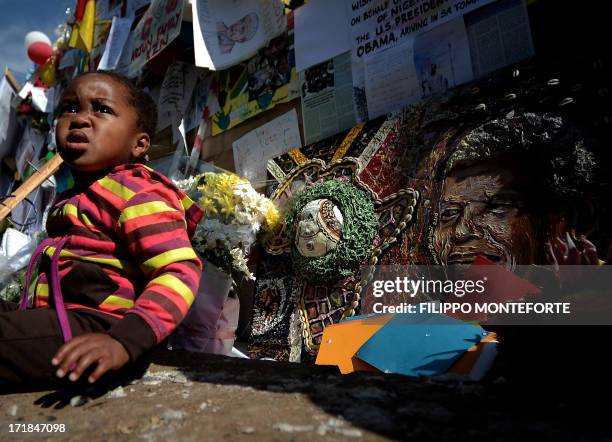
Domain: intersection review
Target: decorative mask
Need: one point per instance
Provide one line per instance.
(319, 228)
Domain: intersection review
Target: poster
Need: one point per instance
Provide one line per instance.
(228, 32)
(442, 58)
(267, 79)
(158, 27)
(391, 80)
(376, 25)
(420, 67)
(327, 98)
(253, 150)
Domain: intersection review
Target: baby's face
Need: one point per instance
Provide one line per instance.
(97, 128)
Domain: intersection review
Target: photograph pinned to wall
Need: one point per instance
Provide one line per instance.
(253, 150)
(197, 109)
(28, 151)
(327, 102)
(259, 84)
(226, 33)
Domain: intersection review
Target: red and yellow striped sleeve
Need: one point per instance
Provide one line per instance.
(154, 227)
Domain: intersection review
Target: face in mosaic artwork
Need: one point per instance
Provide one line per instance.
(482, 211)
(508, 189)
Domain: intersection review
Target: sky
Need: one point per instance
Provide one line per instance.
(17, 18)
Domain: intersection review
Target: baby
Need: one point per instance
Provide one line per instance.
(117, 273)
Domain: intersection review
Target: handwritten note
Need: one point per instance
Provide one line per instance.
(175, 93)
(253, 150)
(391, 80)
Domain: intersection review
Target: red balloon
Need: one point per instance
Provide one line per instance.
(39, 52)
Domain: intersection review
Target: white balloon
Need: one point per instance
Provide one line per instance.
(36, 36)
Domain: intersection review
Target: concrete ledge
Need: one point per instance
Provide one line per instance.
(189, 396)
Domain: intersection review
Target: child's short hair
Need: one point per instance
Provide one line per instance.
(145, 107)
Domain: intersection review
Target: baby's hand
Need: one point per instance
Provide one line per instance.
(91, 348)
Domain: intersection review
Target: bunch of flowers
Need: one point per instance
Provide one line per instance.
(234, 214)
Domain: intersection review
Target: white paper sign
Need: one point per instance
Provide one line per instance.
(253, 150)
(158, 27)
(391, 80)
(175, 93)
(327, 98)
(429, 64)
(8, 123)
(321, 32)
(117, 38)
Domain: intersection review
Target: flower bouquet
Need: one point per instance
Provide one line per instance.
(234, 215)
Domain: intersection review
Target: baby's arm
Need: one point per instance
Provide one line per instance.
(84, 350)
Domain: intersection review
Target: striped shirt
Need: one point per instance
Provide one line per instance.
(128, 252)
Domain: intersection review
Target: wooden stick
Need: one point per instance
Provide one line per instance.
(12, 80)
(35, 180)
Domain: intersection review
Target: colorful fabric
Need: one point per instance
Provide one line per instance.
(128, 250)
(82, 35)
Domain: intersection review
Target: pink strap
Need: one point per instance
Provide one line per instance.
(33, 260)
(58, 299)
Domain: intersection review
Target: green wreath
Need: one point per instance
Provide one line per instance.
(358, 231)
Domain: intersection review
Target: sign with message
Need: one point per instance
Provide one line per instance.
(376, 25)
(159, 26)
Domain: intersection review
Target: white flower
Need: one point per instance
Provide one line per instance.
(186, 184)
(240, 263)
(236, 212)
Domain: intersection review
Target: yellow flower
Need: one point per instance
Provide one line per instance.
(227, 205)
(208, 205)
(271, 216)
